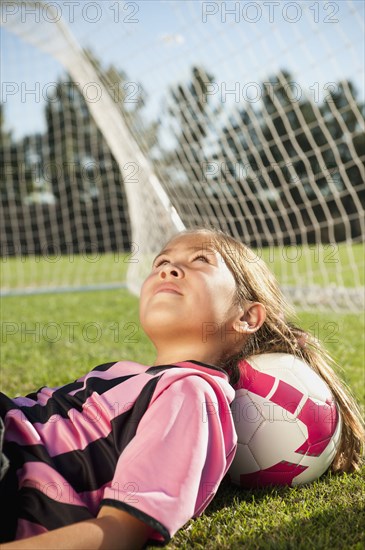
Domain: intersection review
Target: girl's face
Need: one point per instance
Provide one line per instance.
(189, 295)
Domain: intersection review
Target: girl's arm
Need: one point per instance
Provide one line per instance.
(113, 529)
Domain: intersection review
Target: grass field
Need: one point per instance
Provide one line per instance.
(52, 339)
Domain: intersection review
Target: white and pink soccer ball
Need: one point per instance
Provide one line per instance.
(287, 423)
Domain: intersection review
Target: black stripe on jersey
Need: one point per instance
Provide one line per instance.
(38, 508)
(73, 385)
(90, 468)
(34, 395)
(159, 368)
(213, 367)
(99, 459)
(62, 402)
(105, 366)
(6, 405)
(124, 429)
(18, 455)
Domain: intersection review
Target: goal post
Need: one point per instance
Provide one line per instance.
(218, 124)
(113, 128)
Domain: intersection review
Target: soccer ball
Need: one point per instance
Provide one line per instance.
(287, 423)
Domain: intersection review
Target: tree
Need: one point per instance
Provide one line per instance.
(72, 164)
(189, 119)
(187, 156)
(86, 179)
(130, 97)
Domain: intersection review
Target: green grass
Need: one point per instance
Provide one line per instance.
(74, 332)
(317, 264)
(324, 515)
(51, 271)
(58, 337)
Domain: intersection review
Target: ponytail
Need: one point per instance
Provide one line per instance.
(349, 456)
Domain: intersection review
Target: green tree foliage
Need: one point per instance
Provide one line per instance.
(186, 157)
(72, 187)
(285, 153)
(190, 117)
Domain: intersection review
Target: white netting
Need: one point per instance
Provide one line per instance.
(244, 115)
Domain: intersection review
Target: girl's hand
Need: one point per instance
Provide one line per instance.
(113, 529)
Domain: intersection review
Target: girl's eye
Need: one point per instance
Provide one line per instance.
(160, 262)
(201, 257)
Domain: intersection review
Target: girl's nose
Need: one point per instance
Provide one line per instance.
(171, 270)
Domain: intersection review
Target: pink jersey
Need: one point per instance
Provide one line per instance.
(153, 441)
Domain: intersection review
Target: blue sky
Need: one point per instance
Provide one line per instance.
(157, 42)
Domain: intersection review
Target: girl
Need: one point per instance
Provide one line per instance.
(128, 453)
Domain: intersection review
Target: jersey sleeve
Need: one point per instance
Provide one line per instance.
(173, 466)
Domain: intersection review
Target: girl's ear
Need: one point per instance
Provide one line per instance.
(252, 319)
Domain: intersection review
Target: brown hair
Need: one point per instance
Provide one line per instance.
(256, 283)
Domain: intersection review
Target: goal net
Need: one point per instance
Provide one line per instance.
(124, 122)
